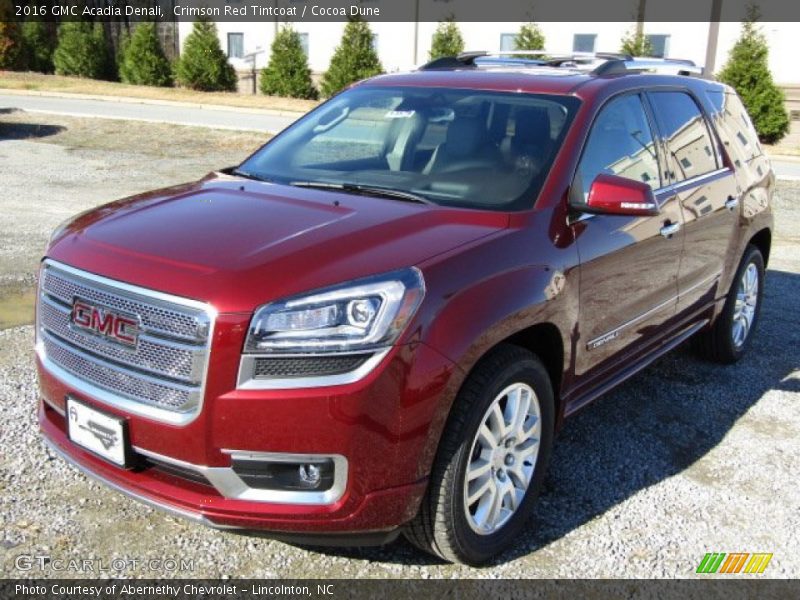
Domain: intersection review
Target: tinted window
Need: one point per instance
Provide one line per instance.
(620, 143)
(690, 145)
(456, 147)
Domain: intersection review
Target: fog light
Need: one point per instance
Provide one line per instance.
(286, 475)
(309, 474)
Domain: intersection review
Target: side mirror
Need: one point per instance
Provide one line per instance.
(614, 195)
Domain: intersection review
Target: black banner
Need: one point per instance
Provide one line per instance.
(298, 11)
(337, 589)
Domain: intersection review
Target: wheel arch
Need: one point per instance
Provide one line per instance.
(763, 241)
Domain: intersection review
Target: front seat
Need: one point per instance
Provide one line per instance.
(531, 141)
(466, 146)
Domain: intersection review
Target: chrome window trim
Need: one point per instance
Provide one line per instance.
(246, 381)
(230, 485)
(163, 506)
(109, 398)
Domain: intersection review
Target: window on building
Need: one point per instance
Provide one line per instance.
(375, 42)
(235, 45)
(304, 42)
(584, 42)
(508, 41)
(660, 44)
(687, 135)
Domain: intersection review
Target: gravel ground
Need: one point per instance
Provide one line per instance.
(685, 458)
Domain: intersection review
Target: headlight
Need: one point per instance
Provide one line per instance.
(359, 315)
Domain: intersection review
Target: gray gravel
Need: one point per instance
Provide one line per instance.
(685, 458)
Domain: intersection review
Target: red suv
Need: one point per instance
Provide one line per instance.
(378, 321)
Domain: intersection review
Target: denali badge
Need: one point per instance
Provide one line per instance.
(104, 322)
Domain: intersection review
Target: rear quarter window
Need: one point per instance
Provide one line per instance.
(734, 126)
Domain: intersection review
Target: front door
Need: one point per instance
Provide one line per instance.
(629, 265)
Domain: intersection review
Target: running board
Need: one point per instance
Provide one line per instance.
(595, 393)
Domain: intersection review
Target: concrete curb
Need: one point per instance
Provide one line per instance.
(133, 100)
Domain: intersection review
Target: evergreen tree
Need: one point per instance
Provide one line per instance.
(143, 61)
(287, 73)
(105, 52)
(530, 37)
(10, 37)
(80, 51)
(202, 64)
(38, 45)
(354, 58)
(447, 40)
(747, 71)
(635, 43)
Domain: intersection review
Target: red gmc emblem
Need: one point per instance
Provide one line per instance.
(105, 322)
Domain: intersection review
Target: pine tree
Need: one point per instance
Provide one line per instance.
(143, 61)
(105, 53)
(38, 44)
(81, 51)
(10, 37)
(530, 37)
(354, 58)
(287, 73)
(202, 64)
(747, 71)
(447, 40)
(635, 43)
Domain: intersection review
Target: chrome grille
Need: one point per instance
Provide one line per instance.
(161, 377)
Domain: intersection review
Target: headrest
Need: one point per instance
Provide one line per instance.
(532, 126)
(464, 136)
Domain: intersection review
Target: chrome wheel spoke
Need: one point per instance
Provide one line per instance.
(502, 459)
(744, 309)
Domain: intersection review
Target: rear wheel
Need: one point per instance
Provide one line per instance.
(491, 460)
(730, 336)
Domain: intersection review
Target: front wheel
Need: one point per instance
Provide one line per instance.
(491, 460)
(730, 336)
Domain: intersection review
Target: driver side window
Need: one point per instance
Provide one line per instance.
(620, 143)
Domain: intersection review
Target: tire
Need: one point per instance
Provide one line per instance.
(721, 343)
(445, 525)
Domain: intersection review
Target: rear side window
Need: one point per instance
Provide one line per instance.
(691, 148)
(620, 143)
(734, 126)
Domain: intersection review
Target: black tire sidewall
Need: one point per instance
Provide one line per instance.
(478, 548)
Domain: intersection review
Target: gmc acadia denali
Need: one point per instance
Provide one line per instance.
(377, 322)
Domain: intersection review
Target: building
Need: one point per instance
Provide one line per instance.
(402, 46)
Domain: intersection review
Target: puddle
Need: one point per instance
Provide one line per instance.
(16, 307)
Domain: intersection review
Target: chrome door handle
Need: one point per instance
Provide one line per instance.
(731, 203)
(669, 230)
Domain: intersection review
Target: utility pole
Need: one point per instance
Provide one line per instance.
(416, 29)
(640, 13)
(713, 37)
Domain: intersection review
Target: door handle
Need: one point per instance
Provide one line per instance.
(731, 203)
(671, 229)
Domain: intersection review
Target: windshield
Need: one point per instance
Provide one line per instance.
(467, 148)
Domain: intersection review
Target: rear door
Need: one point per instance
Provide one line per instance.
(629, 265)
(706, 190)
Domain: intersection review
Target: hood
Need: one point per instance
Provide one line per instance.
(238, 243)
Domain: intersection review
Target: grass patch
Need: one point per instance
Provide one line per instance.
(160, 140)
(77, 85)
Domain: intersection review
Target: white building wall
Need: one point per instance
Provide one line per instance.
(395, 41)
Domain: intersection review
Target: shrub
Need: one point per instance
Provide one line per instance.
(635, 43)
(530, 37)
(142, 58)
(202, 64)
(81, 50)
(10, 40)
(447, 40)
(38, 45)
(287, 73)
(354, 58)
(747, 71)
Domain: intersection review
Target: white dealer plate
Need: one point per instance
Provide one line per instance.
(98, 432)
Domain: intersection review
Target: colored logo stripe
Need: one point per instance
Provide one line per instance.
(720, 562)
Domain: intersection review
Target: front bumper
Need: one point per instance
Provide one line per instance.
(383, 426)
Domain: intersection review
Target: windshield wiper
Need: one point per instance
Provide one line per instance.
(364, 190)
(248, 175)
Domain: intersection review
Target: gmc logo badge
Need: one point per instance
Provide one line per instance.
(104, 322)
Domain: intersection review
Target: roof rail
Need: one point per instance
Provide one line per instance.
(595, 63)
